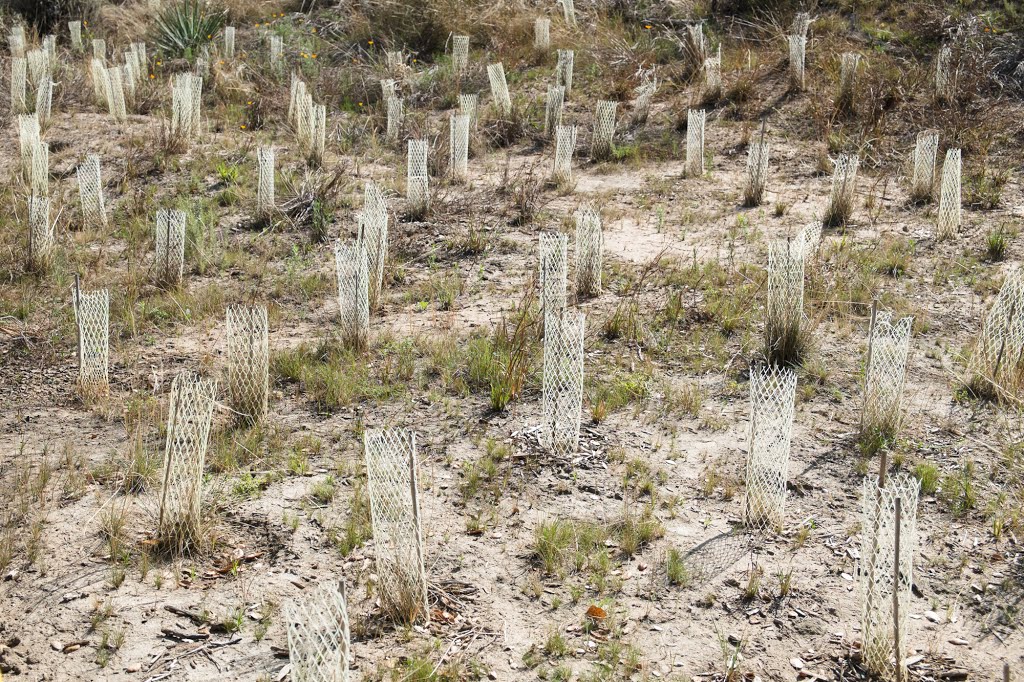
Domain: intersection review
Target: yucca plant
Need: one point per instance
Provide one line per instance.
(183, 27)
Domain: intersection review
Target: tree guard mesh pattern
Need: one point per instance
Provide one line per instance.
(604, 129)
(713, 78)
(844, 181)
(460, 53)
(396, 116)
(303, 106)
(885, 374)
(265, 186)
(318, 636)
(391, 473)
(248, 362)
(373, 236)
(797, 55)
(188, 429)
(589, 251)
(229, 42)
(642, 100)
(785, 308)
(848, 63)
(115, 94)
(99, 81)
(90, 192)
(40, 175)
(17, 41)
(553, 109)
(883, 574)
(553, 271)
(92, 315)
(75, 29)
(99, 50)
(353, 275)
(943, 77)
(170, 245)
(562, 381)
(468, 106)
(40, 231)
(695, 119)
(499, 88)
(44, 100)
(809, 240)
(925, 151)
(394, 59)
(772, 400)
(458, 146)
(296, 98)
(388, 88)
(18, 75)
(565, 145)
(757, 173)
(542, 33)
(50, 45)
(276, 50)
(696, 44)
(569, 12)
(38, 66)
(418, 187)
(186, 99)
(801, 22)
(564, 69)
(999, 356)
(28, 140)
(949, 198)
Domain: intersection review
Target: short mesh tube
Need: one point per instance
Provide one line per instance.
(562, 399)
(353, 277)
(248, 362)
(499, 88)
(589, 251)
(949, 197)
(92, 316)
(772, 400)
(170, 245)
(319, 640)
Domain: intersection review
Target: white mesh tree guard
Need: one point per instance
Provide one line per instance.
(248, 362)
(40, 176)
(265, 201)
(18, 75)
(391, 474)
(186, 105)
(170, 245)
(569, 12)
(458, 146)
(565, 145)
(303, 120)
(38, 66)
(695, 119)
(373, 235)
(276, 51)
(844, 181)
(564, 70)
(115, 94)
(797, 55)
(604, 129)
(949, 198)
(499, 88)
(388, 88)
(229, 42)
(925, 151)
(468, 106)
(350, 263)
(712, 78)
(44, 99)
(75, 29)
(642, 100)
(28, 140)
(417, 190)
(562, 399)
(40, 232)
(99, 81)
(318, 636)
(92, 315)
(395, 60)
(885, 577)
(542, 33)
(50, 45)
(772, 400)
(99, 50)
(785, 307)
(696, 45)
(801, 22)
(16, 40)
(885, 373)
(131, 75)
(396, 116)
(589, 251)
(999, 355)
(460, 53)
(317, 133)
(296, 98)
(757, 173)
(189, 416)
(808, 241)
(553, 272)
(943, 77)
(90, 192)
(848, 63)
(553, 109)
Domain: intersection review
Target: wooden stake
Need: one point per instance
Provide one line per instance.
(78, 315)
(883, 467)
(1006, 671)
(867, 362)
(416, 521)
(896, 595)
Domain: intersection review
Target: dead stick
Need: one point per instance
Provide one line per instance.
(1006, 671)
(867, 362)
(896, 595)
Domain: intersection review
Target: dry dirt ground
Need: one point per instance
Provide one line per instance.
(82, 598)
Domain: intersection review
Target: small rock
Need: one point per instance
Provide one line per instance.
(959, 642)
(932, 616)
(796, 663)
(56, 645)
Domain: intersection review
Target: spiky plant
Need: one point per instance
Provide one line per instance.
(183, 27)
